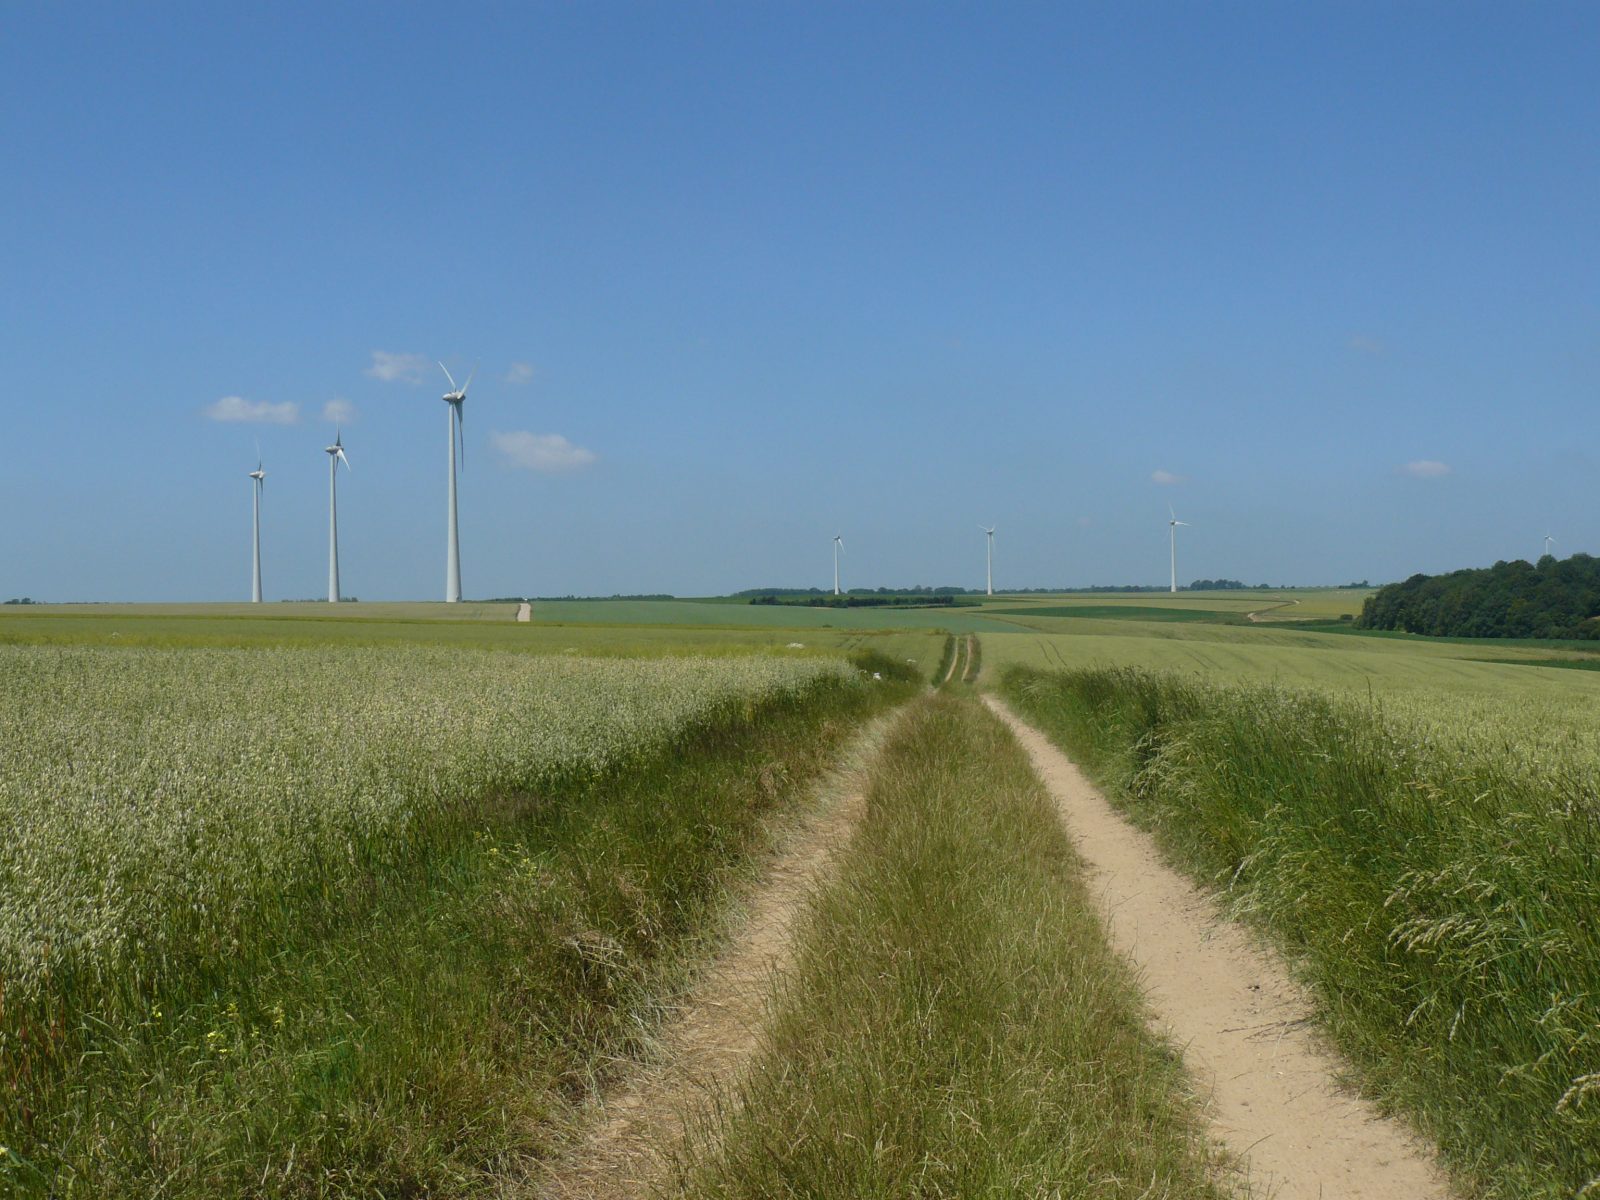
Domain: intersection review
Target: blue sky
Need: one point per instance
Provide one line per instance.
(742, 276)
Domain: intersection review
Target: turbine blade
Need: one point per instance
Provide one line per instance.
(447, 375)
(342, 457)
(468, 383)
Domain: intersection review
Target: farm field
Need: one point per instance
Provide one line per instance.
(592, 629)
(369, 902)
(354, 919)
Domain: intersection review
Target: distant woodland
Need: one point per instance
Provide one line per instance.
(1548, 599)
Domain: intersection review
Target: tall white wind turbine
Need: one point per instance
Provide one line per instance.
(1548, 542)
(335, 457)
(838, 545)
(455, 398)
(1172, 535)
(258, 476)
(989, 529)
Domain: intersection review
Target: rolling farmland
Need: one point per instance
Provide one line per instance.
(301, 902)
(222, 866)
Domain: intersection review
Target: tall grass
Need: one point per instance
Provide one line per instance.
(955, 1025)
(370, 938)
(1441, 893)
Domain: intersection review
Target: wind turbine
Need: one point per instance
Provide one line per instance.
(335, 456)
(455, 397)
(1548, 542)
(259, 477)
(1172, 534)
(989, 529)
(838, 545)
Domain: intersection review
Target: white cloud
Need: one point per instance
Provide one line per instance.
(547, 452)
(340, 411)
(398, 368)
(237, 408)
(1366, 345)
(1426, 468)
(1165, 478)
(520, 372)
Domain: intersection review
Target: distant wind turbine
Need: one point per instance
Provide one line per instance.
(1172, 534)
(989, 529)
(455, 398)
(335, 457)
(1548, 542)
(259, 477)
(838, 545)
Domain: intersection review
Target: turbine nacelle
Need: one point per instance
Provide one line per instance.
(337, 450)
(456, 394)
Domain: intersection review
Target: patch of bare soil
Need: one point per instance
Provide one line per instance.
(1269, 1079)
(702, 1050)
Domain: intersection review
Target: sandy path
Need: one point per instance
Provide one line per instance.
(955, 657)
(1255, 617)
(1244, 1027)
(704, 1048)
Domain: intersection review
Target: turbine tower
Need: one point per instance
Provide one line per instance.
(335, 456)
(838, 545)
(1172, 535)
(258, 476)
(455, 397)
(989, 529)
(1548, 542)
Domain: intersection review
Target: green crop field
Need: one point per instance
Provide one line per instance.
(304, 900)
(628, 628)
(132, 777)
(1122, 612)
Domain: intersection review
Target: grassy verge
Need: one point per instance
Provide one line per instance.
(1440, 894)
(955, 1024)
(429, 1034)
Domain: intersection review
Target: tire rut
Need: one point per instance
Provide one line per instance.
(1248, 1033)
(634, 1130)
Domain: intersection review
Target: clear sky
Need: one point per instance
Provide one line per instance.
(740, 276)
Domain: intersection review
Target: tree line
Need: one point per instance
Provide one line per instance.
(1553, 598)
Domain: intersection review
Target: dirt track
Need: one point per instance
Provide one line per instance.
(703, 1051)
(1255, 617)
(1244, 1027)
